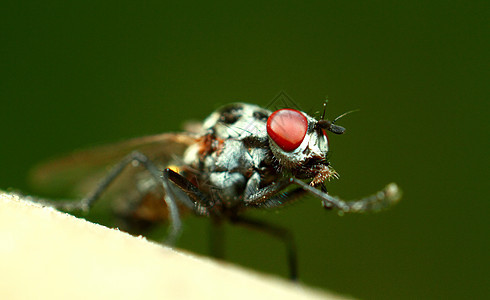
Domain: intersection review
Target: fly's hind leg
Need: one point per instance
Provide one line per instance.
(135, 157)
(276, 231)
(216, 238)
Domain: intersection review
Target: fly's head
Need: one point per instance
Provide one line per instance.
(299, 142)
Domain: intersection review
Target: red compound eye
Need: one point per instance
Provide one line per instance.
(287, 127)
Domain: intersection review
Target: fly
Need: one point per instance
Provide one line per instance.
(241, 157)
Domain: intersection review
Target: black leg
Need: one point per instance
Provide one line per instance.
(197, 202)
(216, 234)
(282, 198)
(281, 233)
(86, 203)
(255, 196)
(271, 195)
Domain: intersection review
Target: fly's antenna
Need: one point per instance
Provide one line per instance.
(330, 125)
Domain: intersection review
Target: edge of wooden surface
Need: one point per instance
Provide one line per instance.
(48, 254)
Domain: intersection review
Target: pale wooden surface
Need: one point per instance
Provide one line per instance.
(45, 254)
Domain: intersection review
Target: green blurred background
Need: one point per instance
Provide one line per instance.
(77, 75)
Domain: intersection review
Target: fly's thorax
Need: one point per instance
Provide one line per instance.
(238, 121)
(232, 148)
(227, 137)
(232, 157)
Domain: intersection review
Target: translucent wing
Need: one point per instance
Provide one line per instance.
(78, 173)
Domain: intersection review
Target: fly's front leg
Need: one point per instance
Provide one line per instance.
(268, 197)
(193, 198)
(197, 202)
(382, 199)
(255, 196)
